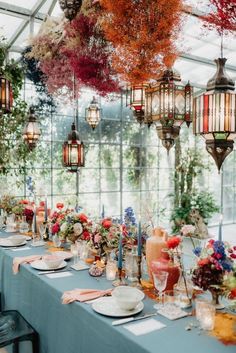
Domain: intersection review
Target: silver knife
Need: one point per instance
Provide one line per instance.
(52, 271)
(129, 319)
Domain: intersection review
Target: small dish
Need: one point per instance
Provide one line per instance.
(52, 261)
(109, 307)
(16, 239)
(41, 265)
(127, 298)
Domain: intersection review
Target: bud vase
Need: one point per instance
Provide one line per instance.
(216, 293)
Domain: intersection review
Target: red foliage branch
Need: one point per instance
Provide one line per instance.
(222, 16)
(143, 34)
(89, 54)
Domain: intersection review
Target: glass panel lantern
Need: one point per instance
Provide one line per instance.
(6, 96)
(73, 151)
(215, 114)
(169, 104)
(93, 113)
(137, 100)
(31, 132)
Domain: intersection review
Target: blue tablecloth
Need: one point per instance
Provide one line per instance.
(76, 328)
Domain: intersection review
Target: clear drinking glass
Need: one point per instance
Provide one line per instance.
(160, 281)
(205, 314)
(75, 253)
(24, 227)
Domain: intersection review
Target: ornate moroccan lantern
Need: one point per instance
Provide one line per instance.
(6, 97)
(31, 132)
(137, 101)
(168, 104)
(73, 151)
(215, 114)
(70, 8)
(93, 113)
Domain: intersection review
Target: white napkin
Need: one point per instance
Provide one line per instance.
(144, 327)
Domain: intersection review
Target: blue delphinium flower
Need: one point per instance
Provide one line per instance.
(197, 251)
(129, 217)
(219, 248)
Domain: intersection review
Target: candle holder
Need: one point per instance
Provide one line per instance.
(121, 280)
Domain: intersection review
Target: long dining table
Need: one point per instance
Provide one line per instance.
(76, 327)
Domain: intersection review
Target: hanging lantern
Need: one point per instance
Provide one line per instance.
(31, 132)
(73, 151)
(93, 113)
(168, 104)
(6, 97)
(70, 8)
(215, 114)
(137, 101)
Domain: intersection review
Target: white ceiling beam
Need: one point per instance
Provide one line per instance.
(17, 11)
(204, 61)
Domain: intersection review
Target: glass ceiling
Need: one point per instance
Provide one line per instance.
(21, 18)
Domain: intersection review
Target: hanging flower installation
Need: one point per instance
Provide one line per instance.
(142, 34)
(222, 16)
(88, 54)
(46, 48)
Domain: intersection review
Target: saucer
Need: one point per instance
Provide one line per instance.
(108, 307)
(41, 265)
(8, 243)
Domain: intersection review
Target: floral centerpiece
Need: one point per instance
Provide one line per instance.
(70, 225)
(215, 261)
(7, 203)
(106, 235)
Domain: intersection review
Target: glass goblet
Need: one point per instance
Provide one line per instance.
(160, 281)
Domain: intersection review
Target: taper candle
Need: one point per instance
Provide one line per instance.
(103, 211)
(139, 239)
(120, 251)
(35, 221)
(46, 209)
(220, 228)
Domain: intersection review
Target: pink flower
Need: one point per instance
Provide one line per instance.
(97, 238)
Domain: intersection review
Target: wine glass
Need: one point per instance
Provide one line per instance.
(160, 281)
(42, 230)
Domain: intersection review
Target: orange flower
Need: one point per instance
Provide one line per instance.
(107, 223)
(232, 294)
(83, 218)
(23, 202)
(203, 262)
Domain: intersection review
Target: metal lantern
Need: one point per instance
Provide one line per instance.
(168, 103)
(70, 8)
(93, 113)
(137, 101)
(31, 132)
(6, 97)
(73, 151)
(215, 114)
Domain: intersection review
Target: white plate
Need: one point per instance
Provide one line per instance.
(26, 237)
(8, 243)
(109, 307)
(40, 265)
(63, 254)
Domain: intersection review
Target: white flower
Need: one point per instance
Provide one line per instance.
(187, 229)
(64, 227)
(78, 229)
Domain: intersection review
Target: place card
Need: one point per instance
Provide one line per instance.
(59, 275)
(172, 312)
(80, 265)
(21, 249)
(144, 327)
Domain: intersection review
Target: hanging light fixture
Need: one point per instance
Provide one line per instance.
(73, 148)
(31, 132)
(137, 101)
(168, 103)
(70, 8)
(6, 97)
(215, 114)
(93, 113)
(73, 151)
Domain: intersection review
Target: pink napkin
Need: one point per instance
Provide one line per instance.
(17, 261)
(82, 295)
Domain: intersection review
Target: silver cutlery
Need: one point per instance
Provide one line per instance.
(53, 271)
(129, 319)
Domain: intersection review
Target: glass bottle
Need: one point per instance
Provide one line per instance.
(24, 227)
(184, 290)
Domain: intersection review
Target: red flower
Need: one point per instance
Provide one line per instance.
(41, 203)
(233, 256)
(60, 205)
(173, 242)
(85, 235)
(107, 223)
(232, 294)
(29, 214)
(83, 218)
(55, 228)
